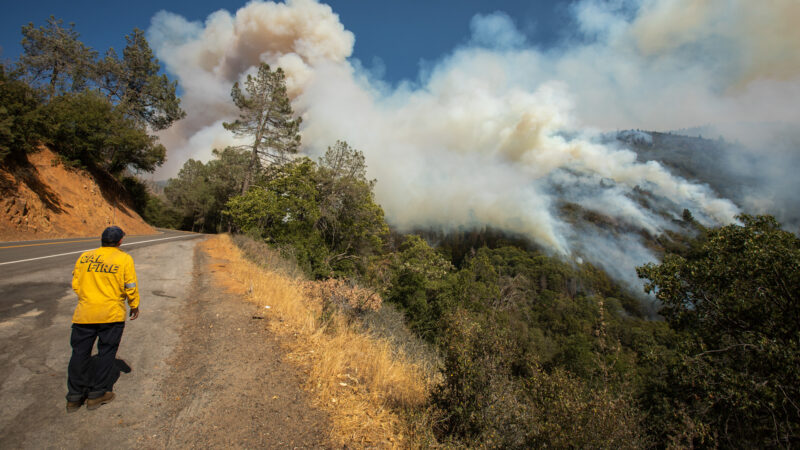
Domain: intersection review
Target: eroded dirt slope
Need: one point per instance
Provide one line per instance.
(43, 199)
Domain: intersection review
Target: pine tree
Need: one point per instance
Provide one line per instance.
(134, 85)
(266, 116)
(55, 54)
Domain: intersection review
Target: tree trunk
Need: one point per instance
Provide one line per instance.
(54, 80)
(251, 168)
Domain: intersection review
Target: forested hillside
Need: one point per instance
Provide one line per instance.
(531, 348)
(755, 178)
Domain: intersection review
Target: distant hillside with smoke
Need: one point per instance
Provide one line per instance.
(760, 179)
(502, 133)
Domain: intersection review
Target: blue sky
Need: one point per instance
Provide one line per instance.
(400, 34)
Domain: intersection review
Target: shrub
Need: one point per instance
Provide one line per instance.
(346, 296)
(484, 404)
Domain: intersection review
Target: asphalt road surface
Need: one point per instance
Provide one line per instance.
(36, 305)
(22, 257)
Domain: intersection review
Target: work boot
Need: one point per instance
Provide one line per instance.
(74, 406)
(94, 403)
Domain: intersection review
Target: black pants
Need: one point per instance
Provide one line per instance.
(81, 381)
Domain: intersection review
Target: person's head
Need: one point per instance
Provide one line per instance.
(112, 236)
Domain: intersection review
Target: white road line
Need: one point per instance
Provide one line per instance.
(55, 241)
(81, 251)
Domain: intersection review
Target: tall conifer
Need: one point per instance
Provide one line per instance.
(134, 84)
(267, 118)
(53, 53)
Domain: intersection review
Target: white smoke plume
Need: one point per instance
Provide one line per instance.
(500, 132)
(207, 58)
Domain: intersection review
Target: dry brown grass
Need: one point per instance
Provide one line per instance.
(355, 377)
(340, 294)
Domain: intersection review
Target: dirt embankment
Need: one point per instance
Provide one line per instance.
(42, 199)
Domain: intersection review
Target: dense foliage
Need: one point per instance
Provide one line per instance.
(536, 352)
(83, 127)
(96, 113)
(199, 193)
(734, 299)
(20, 118)
(323, 214)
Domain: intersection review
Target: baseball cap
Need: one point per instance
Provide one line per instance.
(112, 235)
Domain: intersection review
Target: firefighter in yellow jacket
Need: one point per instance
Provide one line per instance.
(103, 279)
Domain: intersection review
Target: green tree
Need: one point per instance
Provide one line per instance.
(351, 222)
(20, 117)
(284, 212)
(134, 85)
(735, 300)
(265, 117)
(200, 191)
(85, 128)
(191, 194)
(53, 54)
(159, 214)
(226, 171)
(254, 212)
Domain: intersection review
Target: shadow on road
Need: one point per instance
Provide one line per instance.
(120, 367)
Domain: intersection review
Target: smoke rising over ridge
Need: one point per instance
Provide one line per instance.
(500, 132)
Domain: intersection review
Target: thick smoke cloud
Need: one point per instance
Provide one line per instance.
(207, 58)
(500, 132)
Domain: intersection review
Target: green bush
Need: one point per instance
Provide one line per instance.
(415, 281)
(324, 217)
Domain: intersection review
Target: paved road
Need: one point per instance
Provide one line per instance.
(36, 304)
(20, 257)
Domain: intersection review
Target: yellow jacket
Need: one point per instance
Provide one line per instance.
(103, 278)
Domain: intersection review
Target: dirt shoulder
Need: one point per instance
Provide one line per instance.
(228, 386)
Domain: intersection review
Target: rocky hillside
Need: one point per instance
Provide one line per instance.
(42, 199)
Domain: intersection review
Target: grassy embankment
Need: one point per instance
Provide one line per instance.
(361, 380)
